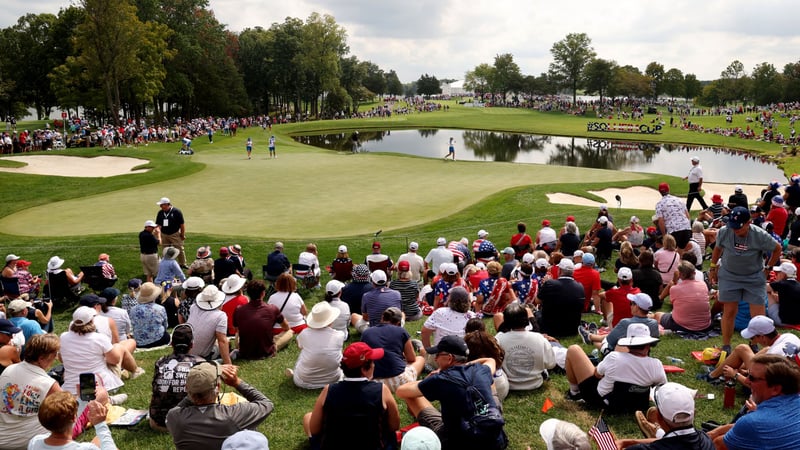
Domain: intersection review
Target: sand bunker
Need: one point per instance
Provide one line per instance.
(76, 166)
(639, 197)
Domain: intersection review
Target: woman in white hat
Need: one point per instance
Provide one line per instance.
(232, 288)
(168, 268)
(320, 350)
(149, 319)
(342, 265)
(56, 275)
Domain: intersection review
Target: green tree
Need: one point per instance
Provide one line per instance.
(791, 73)
(691, 86)
(393, 84)
(673, 83)
(477, 80)
(570, 56)
(628, 81)
(768, 84)
(324, 43)
(352, 78)
(655, 72)
(428, 85)
(375, 79)
(598, 76)
(733, 84)
(254, 45)
(506, 76)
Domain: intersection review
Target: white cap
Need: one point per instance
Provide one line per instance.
(449, 268)
(738, 188)
(163, 201)
(12, 257)
(542, 263)
(602, 219)
(441, 241)
(788, 268)
(342, 249)
(378, 277)
(482, 234)
(565, 431)
(566, 264)
(695, 159)
(334, 287)
(675, 402)
(758, 326)
(625, 274)
(642, 300)
(149, 223)
(83, 315)
(577, 254)
(528, 258)
(413, 246)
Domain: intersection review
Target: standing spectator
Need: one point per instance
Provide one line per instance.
(210, 326)
(148, 319)
(172, 228)
(149, 240)
(695, 178)
(737, 263)
(169, 376)
(255, 321)
(199, 421)
(673, 217)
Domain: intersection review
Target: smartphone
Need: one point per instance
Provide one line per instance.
(87, 385)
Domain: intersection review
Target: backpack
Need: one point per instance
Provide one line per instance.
(484, 422)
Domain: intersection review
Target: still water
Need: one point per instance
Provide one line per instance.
(720, 165)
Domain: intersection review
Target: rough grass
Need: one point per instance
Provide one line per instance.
(80, 218)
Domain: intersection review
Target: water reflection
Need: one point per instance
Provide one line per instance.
(719, 164)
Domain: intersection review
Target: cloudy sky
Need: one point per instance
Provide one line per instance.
(446, 38)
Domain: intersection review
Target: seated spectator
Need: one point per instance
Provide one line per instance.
(320, 350)
(169, 376)
(447, 321)
(333, 295)
(277, 263)
(784, 295)
(148, 319)
(593, 384)
(689, 298)
(561, 302)
(760, 331)
(495, 292)
(199, 421)
(379, 261)
(640, 305)
(55, 272)
(236, 257)
(627, 257)
(483, 345)
(647, 278)
(9, 350)
(342, 265)
(289, 303)
(108, 269)
(400, 363)
(58, 414)
(616, 305)
(528, 355)
(168, 268)
(23, 387)
(28, 284)
(10, 268)
(17, 313)
(120, 317)
(232, 287)
(252, 319)
(522, 242)
(632, 234)
(569, 241)
(203, 265)
(310, 259)
(129, 298)
(170, 299)
(409, 291)
(450, 278)
(210, 326)
(353, 292)
(355, 403)
(561, 435)
(224, 266)
(589, 277)
(375, 302)
(666, 259)
(192, 287)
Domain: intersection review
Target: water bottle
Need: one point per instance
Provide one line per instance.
(596, 353)
(674, 360)
(729, 400)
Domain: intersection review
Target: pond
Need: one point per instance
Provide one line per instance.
(720, 165)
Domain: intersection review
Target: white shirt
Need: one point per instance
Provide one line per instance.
(695, 174)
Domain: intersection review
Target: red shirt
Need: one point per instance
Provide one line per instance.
(778, 216)
(618, 297)
(521, 244)
(229, 307)
(590, 279)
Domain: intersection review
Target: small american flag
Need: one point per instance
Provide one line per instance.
(602, 435)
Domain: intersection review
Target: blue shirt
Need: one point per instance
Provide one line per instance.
(775, 425)
(169, 270)
(30, 328)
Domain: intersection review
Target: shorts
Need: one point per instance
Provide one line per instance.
(149, 264)
(406, 376)
(669, 324)
(682, 237)
(431, 417)
(361, 325)
(734, 288)
(588, 388)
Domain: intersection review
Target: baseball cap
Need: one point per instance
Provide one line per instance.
(483, 233)
(376, 244)
(777, 200)
(334, 287)
(83, 315)
(452, 344)
(738, 189)
(788, 268)
(634, 219)
(420, 438)
(577, 254)
(739, 216)
(403, 266)
(588, 259)
(625, 273)
(528, 258)
(413, 246)
(12, 257)
(134, 283)
(695, 159)
(7, 327)
(378, 277)
(149, 223)
(663, 187)
(342, 249)
(91, 300)
(642, 300)
(441, 241)
(246, 440)
(202, 377)
(356, 353)
(566, 264)
(570, 219)
(509, 251)
(17, 305)
(109, 293)
(716, 198)
(758, 326)
(182, 336)
(602, 219)
(279, 245)
(163, 201)
(449, 268)
(542, 263)
(545, 223)
(675, 402)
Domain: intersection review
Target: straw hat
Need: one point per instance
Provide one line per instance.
(148, 292)
(322, 315)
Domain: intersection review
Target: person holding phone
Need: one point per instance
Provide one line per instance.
(58, 414)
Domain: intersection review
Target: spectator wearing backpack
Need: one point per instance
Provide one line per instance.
(457, 386)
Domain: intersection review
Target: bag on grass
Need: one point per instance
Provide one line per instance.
(484, 422)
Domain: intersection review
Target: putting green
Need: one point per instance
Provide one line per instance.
(305, 192)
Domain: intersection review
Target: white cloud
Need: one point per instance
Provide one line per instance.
(449, 37)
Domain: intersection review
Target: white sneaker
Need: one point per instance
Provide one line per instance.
(118, 399)
(139, 372)
(289, 373)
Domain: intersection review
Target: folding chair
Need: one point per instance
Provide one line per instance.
(58, 289)
(626, 398)
(93, 276)
(305, 275)
(10, 287)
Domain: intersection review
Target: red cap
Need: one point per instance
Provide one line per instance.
(223, 251)
(376, 244)
(716, 198)
(545, 223)
(23, 263)
(651, 230)
(356, 353)
(663, 187)
(570, 218)
(403, 266)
